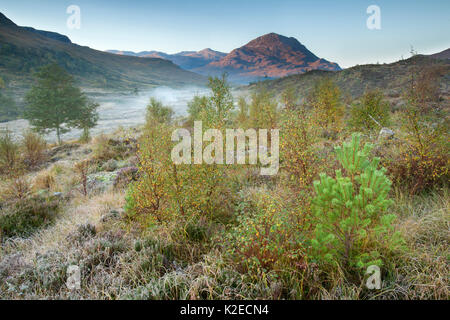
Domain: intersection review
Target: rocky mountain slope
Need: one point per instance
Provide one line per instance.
(269, 56)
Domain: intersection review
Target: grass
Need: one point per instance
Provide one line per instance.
(25, 216)
(188, 259)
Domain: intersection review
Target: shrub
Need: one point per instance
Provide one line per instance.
(148, 197)
(214, 110)
(9, 152)
(34, 147)
(158, 111)
(263, 110)
(326, 101)
(82, 168)
(195, 109)
(351, 223)
(371, 112)
(167, 191)
(196, 230)
(424, 86)
(418, 172)
(422, 162)
(242, 117)
(45, 180)
(106, 148)
(25, 217)
(18, 187)
(289, 99)
(267, 236)
(298, 157)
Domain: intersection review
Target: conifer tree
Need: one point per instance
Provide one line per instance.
(54, 103)
(351, 210)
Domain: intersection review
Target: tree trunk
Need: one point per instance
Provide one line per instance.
(85, 136)
(58, 134)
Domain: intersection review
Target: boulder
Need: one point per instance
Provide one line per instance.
(100, 182)
(112, 215)
(125, 176)
(386, 133)
(110, 165)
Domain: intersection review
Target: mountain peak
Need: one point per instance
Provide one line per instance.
(4, 21)
(270, 55)
(275, 43)
(272, 36)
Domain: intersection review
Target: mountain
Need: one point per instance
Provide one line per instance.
(23, 50)
(271, 56)
(187, 60)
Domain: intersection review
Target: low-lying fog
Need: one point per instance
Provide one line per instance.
(121, 110)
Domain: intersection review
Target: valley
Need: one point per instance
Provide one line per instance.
(259, 172)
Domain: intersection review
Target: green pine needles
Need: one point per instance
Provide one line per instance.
(353, 228)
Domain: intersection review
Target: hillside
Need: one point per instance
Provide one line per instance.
(392, 78)
(23, 50)
(441, 55)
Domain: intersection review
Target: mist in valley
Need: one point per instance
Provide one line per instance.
(121, 110)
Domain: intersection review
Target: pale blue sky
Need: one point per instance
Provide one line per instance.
(332, 29)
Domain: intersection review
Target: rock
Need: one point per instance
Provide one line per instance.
(110, 165)
(63, 148)
(386, 133)
(125, 176)
(111, 215)
(57, 194)
(101, 181)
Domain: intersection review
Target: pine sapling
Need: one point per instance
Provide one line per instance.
(351, 218)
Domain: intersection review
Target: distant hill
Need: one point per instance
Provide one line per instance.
(23, 50)
(441, 55)
(187, 60)
(269, 56)
(392, 79)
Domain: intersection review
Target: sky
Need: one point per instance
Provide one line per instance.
(332, 29)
